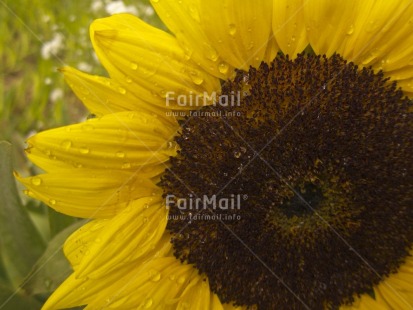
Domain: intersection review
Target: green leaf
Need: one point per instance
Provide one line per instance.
(20, 243)
(52, 267)
(59, 221)
(13, 300)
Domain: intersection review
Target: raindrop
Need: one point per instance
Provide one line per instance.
(126, 165)
(120, 154)
(350, 30)
(52, 201)
(211, 53)
(66, 144)
(36, 181)
(122, 90)
(181, 280)
(223, 67)
(196, 78)
(84, 150)
(155, 275)
(148, 302)
(232, 30)
(133, 65)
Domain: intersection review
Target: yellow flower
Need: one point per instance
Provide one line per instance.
(292, 189)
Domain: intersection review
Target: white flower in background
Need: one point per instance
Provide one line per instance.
(52, 47)
(116, 7)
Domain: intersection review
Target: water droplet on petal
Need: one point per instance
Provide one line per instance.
(122, 90)
(126, 165)
(148, 302)
(196, 77)
(36, 181)
(84, 150)
(350, 30)
(155, 275)
(120, 154)
(66, 144)
(210, 52)
(133, 65)
(232, 30)
(181, 280)
(52, 202)
(223, 67)
(193, 11)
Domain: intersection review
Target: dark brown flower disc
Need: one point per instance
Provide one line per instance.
(320, 152)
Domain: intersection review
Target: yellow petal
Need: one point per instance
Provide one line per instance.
(289, 27)
(147, 61)
(369, 33)
(130, 278)
(331, 23)
(128, 236)
(78, 243)
(89, 193)
(125, 140)
(239, 30)
(397, 299)
(183, 18)
(103, 95)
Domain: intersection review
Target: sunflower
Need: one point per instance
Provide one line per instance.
(258, 156)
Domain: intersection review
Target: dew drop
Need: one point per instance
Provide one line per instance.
(350, 30)
(122, 90)
(52, 202)
(133, 65)
(211, 53)
(193, 11)
(232, 30)
(84, 150)
(181, 280)
(36, 181)
(172, 277)
(223, 67)
(120, 154)
(237, 154)
(148, 302)
(155, 275)
(196, 78)
(128, 80)
(170, 144)
(126, 165)
(66, 144)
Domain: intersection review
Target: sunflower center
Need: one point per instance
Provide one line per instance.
(300, 196)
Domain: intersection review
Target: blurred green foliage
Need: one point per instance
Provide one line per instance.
(38, 37)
